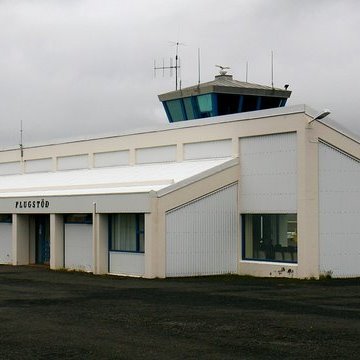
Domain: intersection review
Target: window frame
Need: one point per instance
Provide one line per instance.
(139, 232)
(267, 260)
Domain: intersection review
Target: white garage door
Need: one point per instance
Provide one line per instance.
(5, 243)
(78, 247)
(201, 236)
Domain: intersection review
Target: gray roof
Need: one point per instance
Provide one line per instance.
(225, 84)
(245, 116)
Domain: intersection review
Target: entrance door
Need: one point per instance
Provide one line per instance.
(42, 239)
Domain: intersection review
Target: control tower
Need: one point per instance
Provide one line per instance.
(222, 96)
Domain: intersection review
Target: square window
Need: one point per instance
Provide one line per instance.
(270, 237)
(127, 232)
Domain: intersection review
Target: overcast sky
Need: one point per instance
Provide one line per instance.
(72, 68)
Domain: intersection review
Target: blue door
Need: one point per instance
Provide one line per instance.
(42, 239)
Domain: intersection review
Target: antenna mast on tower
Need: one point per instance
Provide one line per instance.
(199, 67)
(21, 141)
(272, 69)
(171, 66)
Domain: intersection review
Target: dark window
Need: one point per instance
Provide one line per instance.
(249, 103)
(5, 218)
(228, 104)
(270, 237)
(270, 102)
(127, 232)
(78, 219)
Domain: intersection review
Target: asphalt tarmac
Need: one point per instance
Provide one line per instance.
(65, 315)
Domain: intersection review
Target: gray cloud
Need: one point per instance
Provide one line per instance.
(72, 68)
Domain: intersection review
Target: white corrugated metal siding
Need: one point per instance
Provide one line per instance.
(339, 207)
(201, 236)
(268, 174)
(78, 247)
(5, 243)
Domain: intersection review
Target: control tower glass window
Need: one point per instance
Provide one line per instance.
(175, 109)
(206, 105)
(228, 103)
(189, 108)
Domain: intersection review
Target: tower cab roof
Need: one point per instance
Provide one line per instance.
(226, 84)
(221, 96)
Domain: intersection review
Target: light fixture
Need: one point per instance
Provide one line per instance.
(320, 115)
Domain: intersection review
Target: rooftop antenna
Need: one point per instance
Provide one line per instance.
(171, 66)
(247, 71)
(198, 66)
(272, 69)
(21, 141)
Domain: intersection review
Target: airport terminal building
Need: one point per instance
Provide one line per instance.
(269, 192)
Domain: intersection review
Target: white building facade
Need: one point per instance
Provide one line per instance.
(263, 193)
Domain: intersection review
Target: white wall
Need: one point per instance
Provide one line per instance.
(38, 165)
(339, 207)
(111, 158)
(73, 162)
(202, 236)
(268, 174)
(208, 149)
(122, 263)
(5, 243)
(156, 154)
(79, 247)
(10, 168)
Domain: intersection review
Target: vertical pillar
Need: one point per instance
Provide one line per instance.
(32, 240)
(152, 258)
(56, 241)
(308, 203)
(235, 147)
(132, 156)
(180, 152)
(54, 163)
(20, 239)
(91, 160)
(101, 247)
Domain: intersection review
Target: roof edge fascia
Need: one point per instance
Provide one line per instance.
(250, 115)
(198, 177)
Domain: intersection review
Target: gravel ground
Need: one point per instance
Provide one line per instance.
(66, 315)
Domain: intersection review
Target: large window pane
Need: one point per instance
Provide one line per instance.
(189, 108)
(127, 232)
(206, 105)
(270, 237)
(228, 104)
(175, 110)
